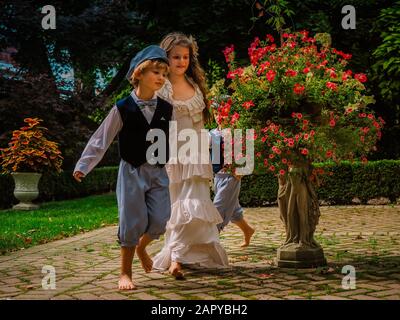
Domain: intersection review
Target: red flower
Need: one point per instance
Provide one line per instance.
(304, 151)
(298, 88)
(364, 159)
(331, 85)
(332, 123)
(248, 104)
(228, 53)
(306, 70)
(270, 38)
(360, 77)
(282, 172)
(290, 73)
(329, 154)
(271, 75)
(235, 117)
(272, 168)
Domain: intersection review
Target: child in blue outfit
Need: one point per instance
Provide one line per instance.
(143, 185)
(227, 188)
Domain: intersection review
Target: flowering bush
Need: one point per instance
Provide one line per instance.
(30, 151)
(302, 101)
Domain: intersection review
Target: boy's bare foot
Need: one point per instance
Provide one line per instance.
(175, 271)
(145, 260)
(125, 283)
(248, 233)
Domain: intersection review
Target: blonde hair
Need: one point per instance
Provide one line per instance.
(144, 66)
(194, 71)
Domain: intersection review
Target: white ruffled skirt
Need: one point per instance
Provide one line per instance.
(191, 235)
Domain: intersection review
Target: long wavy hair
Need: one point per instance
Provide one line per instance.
(194, 71)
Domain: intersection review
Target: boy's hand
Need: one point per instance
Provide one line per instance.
(78, 175)
(238, 177)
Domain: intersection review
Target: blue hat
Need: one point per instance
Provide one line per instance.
(152, 52)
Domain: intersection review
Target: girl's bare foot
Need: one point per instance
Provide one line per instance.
(248, 233)
(145, 260)
(175, 271)
(125, 283)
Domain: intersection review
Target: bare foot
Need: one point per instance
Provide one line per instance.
(247, 236)
(175, 271)
(125, 283)
(145, 260)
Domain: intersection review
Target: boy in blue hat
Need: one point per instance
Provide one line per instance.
(142, 186)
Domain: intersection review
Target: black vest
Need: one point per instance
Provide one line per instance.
(132, 137)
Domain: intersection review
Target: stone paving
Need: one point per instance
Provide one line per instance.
(87, 265)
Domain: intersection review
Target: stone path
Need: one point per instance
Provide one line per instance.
(87, 265)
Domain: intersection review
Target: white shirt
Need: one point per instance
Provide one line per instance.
(105, 135)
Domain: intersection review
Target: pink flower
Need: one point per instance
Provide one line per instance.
(272, 168)
(332, 123)
(282, 172)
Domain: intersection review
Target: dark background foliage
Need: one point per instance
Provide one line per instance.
(101, 37)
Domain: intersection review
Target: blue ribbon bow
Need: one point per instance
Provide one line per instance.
(147, 103)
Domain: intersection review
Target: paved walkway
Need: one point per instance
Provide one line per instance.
(87, 266)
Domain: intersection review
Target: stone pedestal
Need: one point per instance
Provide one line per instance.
(296, 256)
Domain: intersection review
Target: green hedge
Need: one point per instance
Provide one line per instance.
(364, 181)
(63, 186)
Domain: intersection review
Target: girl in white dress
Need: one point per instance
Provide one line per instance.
(192, 235)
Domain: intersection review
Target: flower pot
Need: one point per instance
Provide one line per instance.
(26, 189)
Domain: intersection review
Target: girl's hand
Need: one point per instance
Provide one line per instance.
(78, 175)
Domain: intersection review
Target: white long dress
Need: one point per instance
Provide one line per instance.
(191, 234)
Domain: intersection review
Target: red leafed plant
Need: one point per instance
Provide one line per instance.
(30, 151)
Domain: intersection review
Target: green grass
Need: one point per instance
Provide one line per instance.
(55, 220)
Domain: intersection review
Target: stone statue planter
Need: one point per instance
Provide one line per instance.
(299, 211)
(26, 189)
